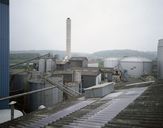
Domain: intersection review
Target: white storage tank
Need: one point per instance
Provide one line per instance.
(136, 66)
(42, 65)
(147, 66)
(160, 59)
(111, 62)
(50, 65)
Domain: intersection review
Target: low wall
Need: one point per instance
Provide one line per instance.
(99, 90)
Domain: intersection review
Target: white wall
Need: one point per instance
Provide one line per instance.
(135, 69)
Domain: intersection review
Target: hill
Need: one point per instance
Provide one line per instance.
(122, 53)
(19, 56)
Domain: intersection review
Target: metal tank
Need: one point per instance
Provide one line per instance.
(133, 65)
(160, 59)
(42, 65)
(136, 66)
(36, 99)
(111, 63)
(18, 82)
(53, 96)
(50, 65)
(147, 66)
(47, 98)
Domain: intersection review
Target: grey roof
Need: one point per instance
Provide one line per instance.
(90, 73)
(146, 111)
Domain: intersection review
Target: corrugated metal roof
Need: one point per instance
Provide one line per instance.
(145, 112)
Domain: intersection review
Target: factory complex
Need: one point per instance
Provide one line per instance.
(76, 92)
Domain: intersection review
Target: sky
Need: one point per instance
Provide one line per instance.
(96, 24)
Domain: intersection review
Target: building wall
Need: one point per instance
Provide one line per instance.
(4, 53)
(74, 63)
(88, 81)
(93, 65)
(62, 66)
(67, 78)
(85, 63)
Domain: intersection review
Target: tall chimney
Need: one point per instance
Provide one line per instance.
(68, 37)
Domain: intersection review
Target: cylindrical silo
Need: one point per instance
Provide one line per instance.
(111, 63)
(42, 65)
(50, 65)
(133, 65)
(147, 66)
(136, 66)
(18, 82)
(160, 59)
(36, 99)
(47, 98)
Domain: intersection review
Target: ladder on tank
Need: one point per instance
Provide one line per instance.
(63, 88)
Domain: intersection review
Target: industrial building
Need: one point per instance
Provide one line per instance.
(78, 62)
(160, 59)
(4, 52)
(50, 93)
(90, 78)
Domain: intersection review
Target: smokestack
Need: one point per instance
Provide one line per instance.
(68, 37)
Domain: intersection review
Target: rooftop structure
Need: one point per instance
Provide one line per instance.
(78, 62)
(109, 111)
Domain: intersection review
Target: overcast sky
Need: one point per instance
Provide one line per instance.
(96, 24)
